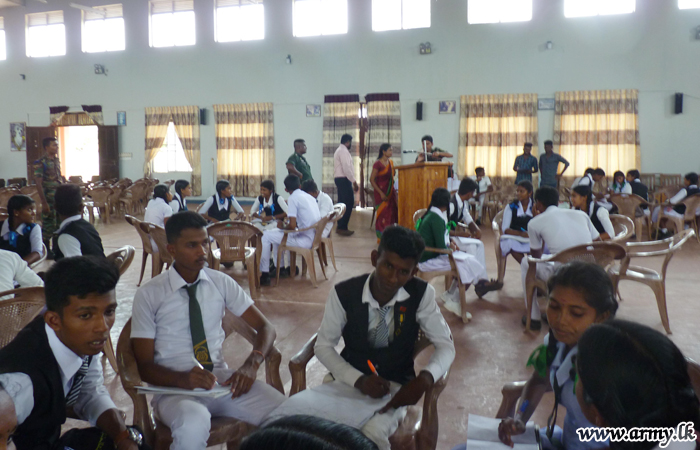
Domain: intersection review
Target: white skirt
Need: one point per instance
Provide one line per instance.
(470, 269)
(513, 245)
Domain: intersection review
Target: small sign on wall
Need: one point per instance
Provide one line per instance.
(313, 110)
(545, 104)
(126, 156)
(448, 107)
(121, 118)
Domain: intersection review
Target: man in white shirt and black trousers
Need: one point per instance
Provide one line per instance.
(53, 364)
(344, 172)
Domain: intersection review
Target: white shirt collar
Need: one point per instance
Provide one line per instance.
(69, 220)
(563, 363)
(218, 203)
(529, 208)
(551, 208)
(460, 203)
(637, 180)
(177, 282)
(437, 211)
(367, 297)
(67, 360)
(5, 231)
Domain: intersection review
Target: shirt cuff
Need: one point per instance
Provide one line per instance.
(435, 370)
(94, 408)
(349, 376)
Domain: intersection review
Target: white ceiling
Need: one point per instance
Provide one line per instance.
(6, 3)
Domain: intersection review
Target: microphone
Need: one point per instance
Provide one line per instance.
(411, 151)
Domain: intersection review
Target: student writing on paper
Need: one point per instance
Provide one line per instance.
(516, 216)
(632, 376)
(580, 295)
(177, 326)
(379, 315)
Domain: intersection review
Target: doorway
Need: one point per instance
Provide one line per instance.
(79, 151)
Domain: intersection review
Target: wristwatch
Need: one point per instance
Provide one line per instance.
(131, 433)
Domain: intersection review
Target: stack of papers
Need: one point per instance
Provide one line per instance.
(216, 392)
(482, 434)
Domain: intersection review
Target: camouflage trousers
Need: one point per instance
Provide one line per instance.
(49, 222)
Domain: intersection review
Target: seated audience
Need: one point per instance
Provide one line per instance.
(54, 363)
(585, 180)
(303, 212)
(186, 305)
(434, 227)
(14, 271)
(268, 208)
(676, 210)
(379, 316)
(484, 187)
(158, 209)
(640, 189)
(620, 184)
(307, 433)
(217, 208)
(516, 216)
(582, 200)
(631, 376)
(458, 213)
(75, 235)
(560, 229)
(19, 233)
(452, 180)
(325, 202)
(183, 189)
(580, 295)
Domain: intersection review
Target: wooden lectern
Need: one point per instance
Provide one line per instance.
(416, 185)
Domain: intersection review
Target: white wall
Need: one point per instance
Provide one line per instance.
(652, 50)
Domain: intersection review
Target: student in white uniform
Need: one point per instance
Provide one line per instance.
(676, 210)
(452, 181)
(183, 189)
(19, 233)
(585, 180)
(620, 184)
(302, 211)
(14, 269)
(268, 208)
(458, 212)
(560, 229)
(217, 208)
(484, 187)
(582, 200)
(631, 376)
(158, 210)
(638, 188)
(514, 238)
(325, 202)
(177, 337)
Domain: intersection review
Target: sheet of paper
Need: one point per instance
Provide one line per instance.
(482, 434)
(525, 240)
(216, 392)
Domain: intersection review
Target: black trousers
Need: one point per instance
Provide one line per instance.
(345, 195)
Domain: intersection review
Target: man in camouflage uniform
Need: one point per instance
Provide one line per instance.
(47, 176)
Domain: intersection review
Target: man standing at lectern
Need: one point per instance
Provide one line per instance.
(434, 154)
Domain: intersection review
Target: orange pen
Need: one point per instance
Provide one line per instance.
(371, 367)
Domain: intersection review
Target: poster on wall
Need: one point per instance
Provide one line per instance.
(448, 107)
(18, 136)
(313, 110)
(121, 118)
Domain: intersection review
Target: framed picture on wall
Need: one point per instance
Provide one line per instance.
(18, 136)
(448, 107)
(545, 104)
(313, 110)
(121, 118)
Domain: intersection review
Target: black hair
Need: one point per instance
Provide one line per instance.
(47, 141)
(428, 138)
(269, 185)
(300, 432)
(589, 170)
(298, 141)
(345, 138)
(68, 200)
(548, 142)
(479, 169)
(635, 377)
(599, 171)
(440, 199)
(547, 195)
(591, 281)
(180, 221)
(221, 185)
(292, 183)
(382, 149)
(692, 177)
(16, 203)
(78, 276)
(584, 191)
(180, 185)
(525, 184)
(634, 173)
(527, 144)
(466, 185)
(402, 241)
(161, 191)
(618, 174)
(309, 186)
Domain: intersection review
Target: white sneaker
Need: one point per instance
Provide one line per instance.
(454, 307)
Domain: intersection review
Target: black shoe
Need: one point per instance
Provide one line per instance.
(286, 272)
(228, 265)
(478, 222)
(265, 279)
(535, 325)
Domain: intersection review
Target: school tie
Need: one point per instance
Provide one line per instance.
(74, 391)
(199, 338)
(381, 336)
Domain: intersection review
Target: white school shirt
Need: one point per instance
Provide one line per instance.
(69, 245)
(428, 317)
(210, 200)
(464, 206)
(325, 207)
(157, 211)
(34, 235)
(161, 312)
(561, 229)
(304, 207)
(256, 205)
(13, 268)
(626, 189)
(681, 195)
(93, 399)
(483, 185)
(586, 180)
(508, 214)
(453, 184)
(342, 164)
(174, 205)
(604, 217)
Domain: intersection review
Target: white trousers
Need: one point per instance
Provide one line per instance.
(274, 238)
(544, 271)
(670, 213)
(470, 269)
(511, 245)
(473, 247)
(189, 418)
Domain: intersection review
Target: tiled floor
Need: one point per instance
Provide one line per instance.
(491, 349)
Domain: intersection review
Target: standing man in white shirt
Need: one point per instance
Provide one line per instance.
(325, 202)
(13, 268)
(302, 211)
(177, 336)
(560, 229)
(344, 172)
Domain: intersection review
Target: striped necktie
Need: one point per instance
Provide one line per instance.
(74, 391)
(381, 333)
(199, 337)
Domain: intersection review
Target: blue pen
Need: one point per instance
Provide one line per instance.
(523, 229)
(524, 406)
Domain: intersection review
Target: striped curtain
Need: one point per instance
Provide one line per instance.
(157, 120)
(384, 117)
(245, 142)
(186, 122)
(340, 116)
(598, 129)
(492, 131)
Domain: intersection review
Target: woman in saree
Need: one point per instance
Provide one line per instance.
(385, 195)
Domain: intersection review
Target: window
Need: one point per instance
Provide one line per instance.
(3, 51)
(320, 17)
(46, 34)
(400, 14)
(172, 23)
(688, 4)
(587, 8)
(495, 11)
(171, 157)
(103, 29)
(240, 20)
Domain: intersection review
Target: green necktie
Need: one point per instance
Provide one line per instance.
(199, 338)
